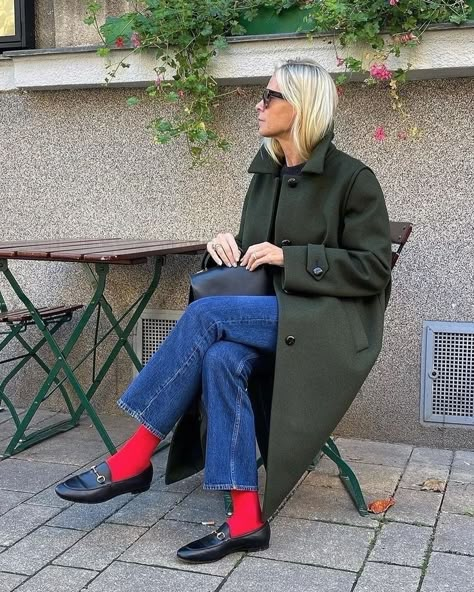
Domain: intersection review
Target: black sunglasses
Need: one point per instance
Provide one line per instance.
(268, 94)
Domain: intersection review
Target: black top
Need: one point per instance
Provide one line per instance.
(292, 170)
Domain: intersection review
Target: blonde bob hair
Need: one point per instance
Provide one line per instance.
(309, 88)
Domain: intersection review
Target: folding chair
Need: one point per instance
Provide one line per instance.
(13, 324)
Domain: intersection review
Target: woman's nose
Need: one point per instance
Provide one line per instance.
(259, 106)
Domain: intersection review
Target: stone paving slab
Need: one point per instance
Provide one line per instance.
(10, 499)
(16, 524)
(100, 547)
(200, 506)
(322, 478)
(381, 577)
(185, 486)
(159, 545)
(449, 573)
(327, 504)
(37, 549)
(64, 450)
(29, 476)
(9, 582)
(382, 479)
(455, 533)
(146, 509)
(126, 577)
(416, 507)
(8, 427)
(87, 516)
(463, 467)
(432, 456)
(401, 544)
(263, 575)
(318, 543)
(58, 579)
(378, 453)
(459, 498)
(416, 473)
(48, 497)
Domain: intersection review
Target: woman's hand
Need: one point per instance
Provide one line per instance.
(224, 249)
(261, 253)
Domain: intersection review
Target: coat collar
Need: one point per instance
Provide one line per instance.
(264, 163)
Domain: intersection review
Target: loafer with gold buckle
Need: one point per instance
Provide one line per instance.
(219, 543)
(96, 485)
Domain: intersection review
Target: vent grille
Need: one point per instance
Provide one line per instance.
(448, 373)
(152, 329)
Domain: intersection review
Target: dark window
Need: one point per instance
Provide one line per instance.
(17, 23)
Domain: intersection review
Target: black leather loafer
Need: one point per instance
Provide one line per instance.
(219, 543)
(96, 486)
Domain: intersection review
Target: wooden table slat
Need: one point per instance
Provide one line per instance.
(52, 242)
(123, 251)
(109, 247)
(9, 250)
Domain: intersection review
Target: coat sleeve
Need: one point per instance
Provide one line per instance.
(361, 265)
(207, 260)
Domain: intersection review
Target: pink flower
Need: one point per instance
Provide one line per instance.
(380, 72)
(135, 39)
(181, 93)
(119, 42)
(340, 62)
(380, 134)
(158, 81)
(393, 2)
(402, 135)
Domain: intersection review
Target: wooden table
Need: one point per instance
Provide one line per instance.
(95, 257)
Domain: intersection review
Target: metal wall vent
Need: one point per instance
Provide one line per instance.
(447, 373)
(152, 329)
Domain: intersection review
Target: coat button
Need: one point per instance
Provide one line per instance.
(285, 243)
(318, 271)
(290, 340)
(292, 182)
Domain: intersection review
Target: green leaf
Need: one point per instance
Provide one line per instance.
(131, 101)
(117, 26)
(103, 52)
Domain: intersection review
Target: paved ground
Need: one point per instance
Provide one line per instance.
(425, 543)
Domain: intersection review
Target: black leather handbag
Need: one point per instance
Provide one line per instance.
(231, 281)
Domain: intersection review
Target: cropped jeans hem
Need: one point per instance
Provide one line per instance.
(136, 415)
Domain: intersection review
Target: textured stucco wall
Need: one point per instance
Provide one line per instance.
(81, 164)
(60, 23)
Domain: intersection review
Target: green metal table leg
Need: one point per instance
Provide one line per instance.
(347, 477)
(123, 334)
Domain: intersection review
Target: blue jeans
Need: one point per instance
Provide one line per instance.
(212, 350)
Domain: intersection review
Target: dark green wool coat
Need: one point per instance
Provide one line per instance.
(332, 224)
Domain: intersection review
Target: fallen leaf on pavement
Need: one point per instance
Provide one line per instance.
(433, 485)
(379, 506)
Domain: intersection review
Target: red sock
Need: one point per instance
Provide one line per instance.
(134, 456)
(247, 515)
